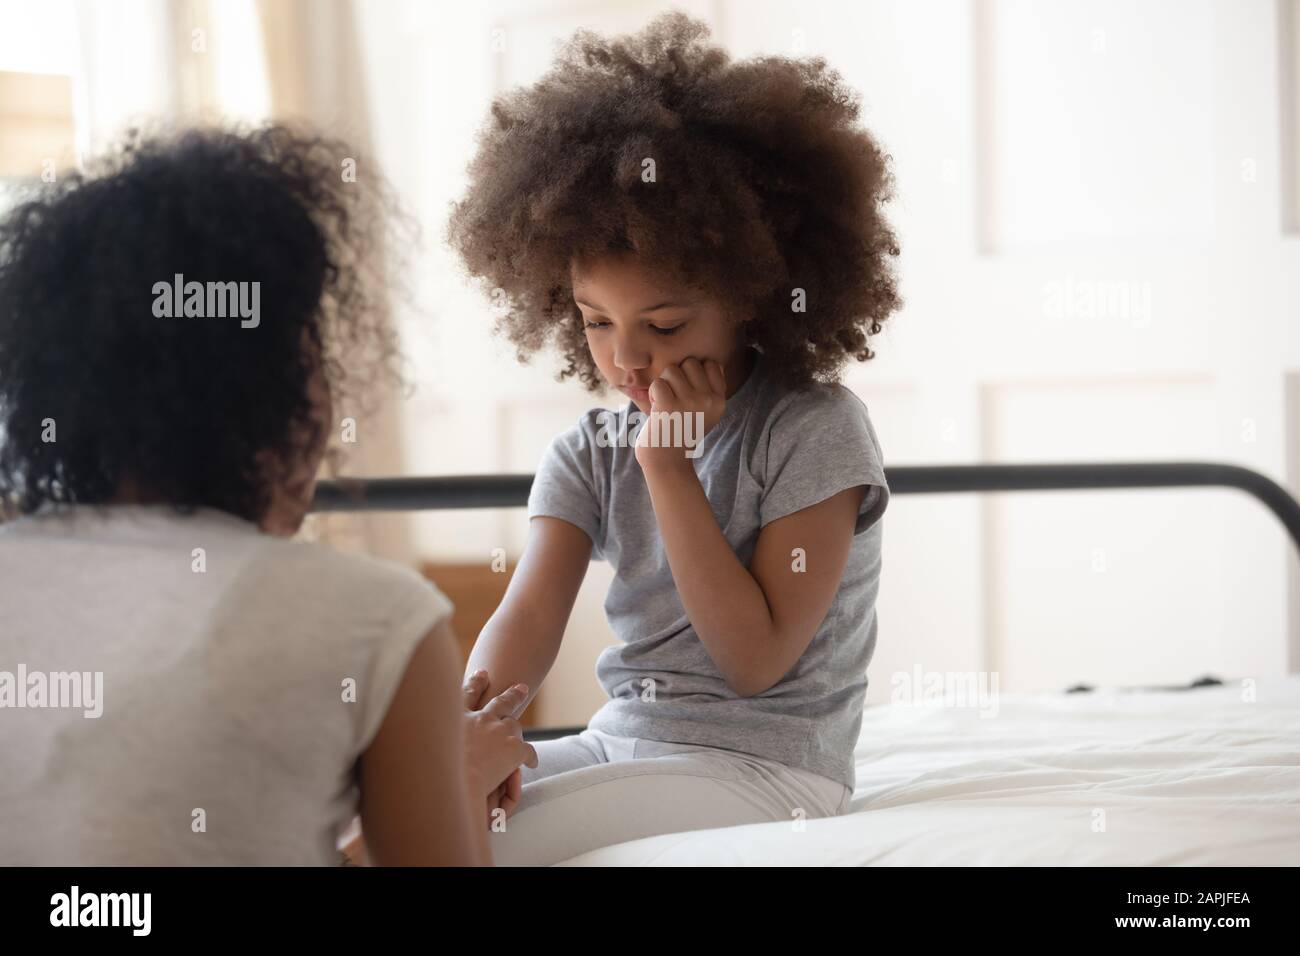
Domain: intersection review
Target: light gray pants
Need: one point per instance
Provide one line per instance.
(593, 789)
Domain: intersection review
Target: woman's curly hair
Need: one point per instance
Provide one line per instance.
(197, 411)
(763, 184)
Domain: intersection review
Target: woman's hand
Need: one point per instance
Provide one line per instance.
(697, 391)
(506, 797)
(494, 742)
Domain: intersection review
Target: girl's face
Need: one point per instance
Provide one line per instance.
(639, 321)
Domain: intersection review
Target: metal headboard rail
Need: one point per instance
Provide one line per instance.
(511, 491)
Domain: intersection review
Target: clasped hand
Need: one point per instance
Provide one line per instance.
(494, 741)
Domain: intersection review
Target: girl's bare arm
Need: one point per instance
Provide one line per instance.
(756, 621)
(519, 643)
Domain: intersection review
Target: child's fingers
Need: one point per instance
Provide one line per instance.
(511, 790)
(531, 759)
(660, 394)
(717, 377)
(507, 702)
(514, 786)
(694, 372)
(674, 382)
(473, 688)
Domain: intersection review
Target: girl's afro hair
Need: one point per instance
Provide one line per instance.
(751, 180)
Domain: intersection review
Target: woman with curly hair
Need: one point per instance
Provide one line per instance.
(176, 327)
(707, 237)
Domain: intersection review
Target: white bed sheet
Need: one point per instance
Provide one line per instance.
(1194, 777)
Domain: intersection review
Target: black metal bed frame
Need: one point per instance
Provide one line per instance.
(511, 491)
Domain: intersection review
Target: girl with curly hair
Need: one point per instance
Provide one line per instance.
(176, 327)
(705, 236)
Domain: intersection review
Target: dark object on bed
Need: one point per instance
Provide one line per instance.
(1206, 681)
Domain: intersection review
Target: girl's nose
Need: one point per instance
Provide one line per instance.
(630, 358)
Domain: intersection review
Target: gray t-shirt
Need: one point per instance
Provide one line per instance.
(774, 452)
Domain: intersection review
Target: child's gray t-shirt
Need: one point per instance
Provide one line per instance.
(774, 452)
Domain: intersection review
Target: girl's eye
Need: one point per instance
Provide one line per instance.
(657, 329)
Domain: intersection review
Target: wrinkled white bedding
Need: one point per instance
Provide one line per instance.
(1203, 777)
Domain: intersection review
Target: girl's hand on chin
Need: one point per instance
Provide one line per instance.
(695, 390)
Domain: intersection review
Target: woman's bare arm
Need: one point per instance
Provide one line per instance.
(420, 804)
(519, 643)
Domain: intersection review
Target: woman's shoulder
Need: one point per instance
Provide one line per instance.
(347, 576)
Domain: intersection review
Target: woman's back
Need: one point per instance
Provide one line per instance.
(237, 678)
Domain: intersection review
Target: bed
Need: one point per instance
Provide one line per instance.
(1205, 775)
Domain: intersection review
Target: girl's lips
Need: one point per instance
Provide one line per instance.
(641, 393)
